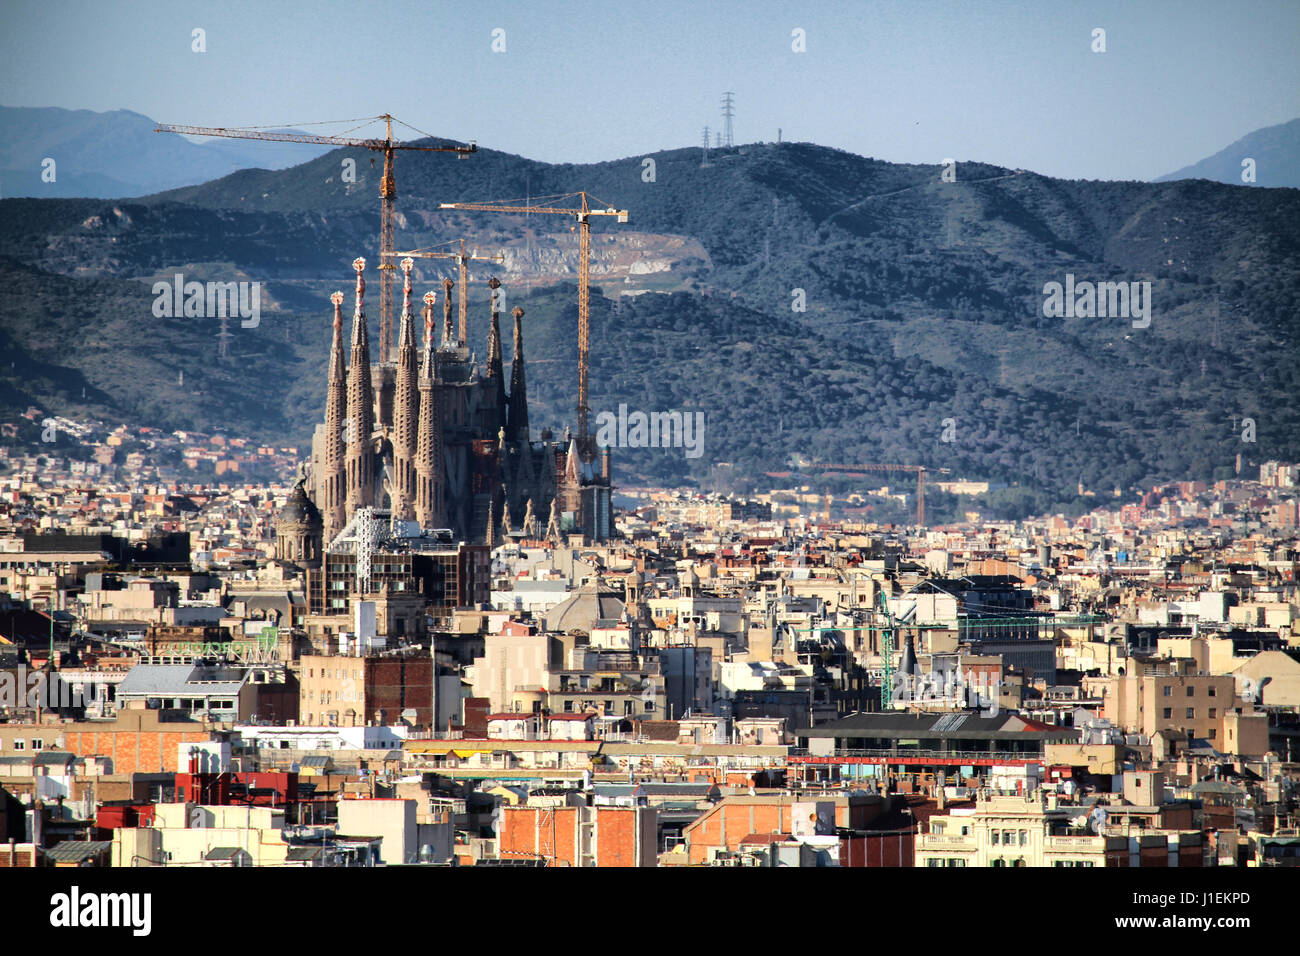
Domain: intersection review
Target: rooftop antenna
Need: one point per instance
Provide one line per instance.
(728, 112)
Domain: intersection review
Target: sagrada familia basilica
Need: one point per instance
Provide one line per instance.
(431, 439)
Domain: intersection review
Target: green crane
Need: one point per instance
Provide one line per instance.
(886, 651)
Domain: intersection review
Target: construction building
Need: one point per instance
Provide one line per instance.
(432, 438)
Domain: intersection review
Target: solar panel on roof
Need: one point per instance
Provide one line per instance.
(948, 722)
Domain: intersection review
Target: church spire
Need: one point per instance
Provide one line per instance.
(517, 427)
(495, 372)
(429, 510)
(448, 334)
(331, 487)
(405, 399)
(360, 460)
(553, 523)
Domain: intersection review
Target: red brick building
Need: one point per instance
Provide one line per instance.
(138, 741)
(580, 836)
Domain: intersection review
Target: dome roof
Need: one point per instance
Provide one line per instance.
(299, 509)
(583, 608)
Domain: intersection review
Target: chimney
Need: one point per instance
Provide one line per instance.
(38, 828)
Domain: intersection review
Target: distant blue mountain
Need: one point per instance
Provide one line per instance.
(1275, 150)
(118, 154)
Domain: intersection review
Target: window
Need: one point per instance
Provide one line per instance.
(1168, 713)
(1024, 838)
(933, 862)
(38, 743)
(1191, 713)
(1168, 691)
(1213, 733)
(956, 861)
(568, 706)
(1214, 712)
(1191, 691)
(993, 837)
(1212, 691)
(20, 744)
(649, 706)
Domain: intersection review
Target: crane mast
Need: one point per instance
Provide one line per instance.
(462, 262)
(387, 190)
(387, 193)
(582, 214)
(920, 471)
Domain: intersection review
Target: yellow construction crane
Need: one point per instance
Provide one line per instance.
(920, 480)
(462, 260)
(387, 186)
(583, 213)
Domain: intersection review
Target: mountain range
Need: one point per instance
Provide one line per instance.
(816, 305)
(118, 154)
(1267, 157)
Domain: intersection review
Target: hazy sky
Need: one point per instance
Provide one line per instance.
(1004, 82)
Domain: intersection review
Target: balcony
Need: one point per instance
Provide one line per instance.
(936, 841)
(1074, 843)
(946, 756)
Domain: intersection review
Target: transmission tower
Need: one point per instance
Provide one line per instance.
(728, 112)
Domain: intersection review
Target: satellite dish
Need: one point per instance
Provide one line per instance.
(1098, 818)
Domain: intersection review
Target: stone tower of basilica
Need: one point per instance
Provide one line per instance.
(429, 438)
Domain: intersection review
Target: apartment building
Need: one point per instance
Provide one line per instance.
(580, 835)
(1013, 830)
(1019, 830)
(352, 691)
(1172, 695)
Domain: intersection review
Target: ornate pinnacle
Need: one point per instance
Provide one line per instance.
(359, 264)
(337, 299)
(429, 299)
(407, 265)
